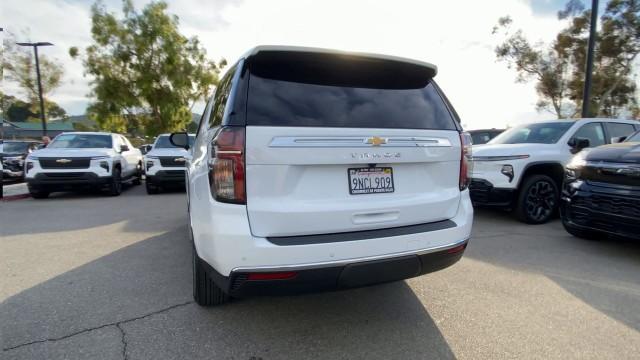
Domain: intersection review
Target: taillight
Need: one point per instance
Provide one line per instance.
(466, 162)
(226, 166)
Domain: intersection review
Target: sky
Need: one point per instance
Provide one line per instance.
(454, 35)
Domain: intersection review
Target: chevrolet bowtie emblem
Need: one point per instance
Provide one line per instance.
(376, 141)
(179, 159)
(63, 161)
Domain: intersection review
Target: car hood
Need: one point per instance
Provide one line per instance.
(6, 155)
(508, 149)
(168, 152)
(79, 153)
(622, 152)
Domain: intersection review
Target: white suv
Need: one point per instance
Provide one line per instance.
(317, 170)
(81, 160)
(523, 168)
(165, 164)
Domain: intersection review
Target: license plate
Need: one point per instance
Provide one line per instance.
(374, 180)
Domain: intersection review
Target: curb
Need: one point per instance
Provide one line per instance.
(15, 197)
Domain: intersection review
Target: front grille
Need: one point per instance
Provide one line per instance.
(69, 175)
(616, 205)
(65, 163)
(170, 161)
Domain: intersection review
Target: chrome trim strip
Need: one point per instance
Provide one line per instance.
(353, 141)
(233, 152)
(499, 158)
(346, 261)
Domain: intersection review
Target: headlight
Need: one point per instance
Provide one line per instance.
(149, 164)
(570, 174)
(104, 165)
(14, 158)
(578, 161)
(29, 166)
(507, 170)
(31, 157)
(574, 167)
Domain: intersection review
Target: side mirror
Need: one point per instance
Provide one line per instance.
(618, 139)
(577, 144)
(124, 148)
(180, 139)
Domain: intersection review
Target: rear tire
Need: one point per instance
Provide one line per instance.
(205, 291)
(115, 187)
(537, 200)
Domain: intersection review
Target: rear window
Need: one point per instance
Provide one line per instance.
(321, 90)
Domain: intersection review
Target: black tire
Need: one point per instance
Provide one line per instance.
(38, 193)
(205, 291)
(138, 176)
(115, 187)
(537, 200)
(151, 189)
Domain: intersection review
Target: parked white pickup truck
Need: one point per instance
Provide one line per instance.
(523, 168)
(80, 160)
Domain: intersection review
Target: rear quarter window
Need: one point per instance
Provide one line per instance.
(351, 92)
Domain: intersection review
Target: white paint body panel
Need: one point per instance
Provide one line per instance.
(426, 185)
(304, 189)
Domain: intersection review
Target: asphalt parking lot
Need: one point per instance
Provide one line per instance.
(91, 277)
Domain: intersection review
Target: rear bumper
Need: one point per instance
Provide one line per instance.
(67, 180)
(223, 239)
(165, 177)
(344, 275)
(605, 208)
(483, 193)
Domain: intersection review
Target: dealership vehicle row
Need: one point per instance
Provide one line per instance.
(285, 177)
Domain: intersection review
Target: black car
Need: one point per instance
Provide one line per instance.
(13, 154)
(479, 137)
(601, 193)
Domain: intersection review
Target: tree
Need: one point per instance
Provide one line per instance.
(548, 66)
(145, 74)
(18, 110)
(19, 64)
(558, 68)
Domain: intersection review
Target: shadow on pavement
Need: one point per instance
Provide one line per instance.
(603, 273)
(154, 275)
(66, 211)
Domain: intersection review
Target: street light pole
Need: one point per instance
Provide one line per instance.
(586, 93)
(35, 51)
